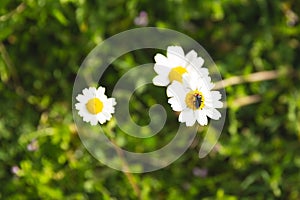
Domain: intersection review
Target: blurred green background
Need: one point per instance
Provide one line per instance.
(42, 44)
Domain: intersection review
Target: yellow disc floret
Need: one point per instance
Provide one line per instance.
(176, 74)
(194, 100)
(94, 106)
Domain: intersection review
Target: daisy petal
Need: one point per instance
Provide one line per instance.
(107, 115)
(81, 98)
(113, 101)
(78, 106)
(101, 118)
(161, 59)
(101, 90)
(202, 72)
(198, 62)
(188, 117)
(175, 55)
(176, 89)
(162, 69)
(94, 121)
(87, 93)
(191, 56)
(160, 80)
(92, 91)
(214, 114)
(216, 95)
(201, 117)
(205, 83)
(190, 81)
(218, 104)
(176, 105)
(84, 113)
(87, 118)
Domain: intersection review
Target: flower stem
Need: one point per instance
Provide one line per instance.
(18, 9)
(254, 77)
(126, 171)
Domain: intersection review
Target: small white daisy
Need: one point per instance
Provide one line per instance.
(176, 64)
(94, 105)
(194, 100)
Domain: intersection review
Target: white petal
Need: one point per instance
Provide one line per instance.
(160, 80)
(176, 104)
(81, 98)
(89, 92)
(201, 117)
(188, 117)
(212, 99)
(107, 115)
(109, 106)
(202, 72)
(197, 72)
(208, 104)
(112, 101)
(162, 69)
(208, 111)
(94, 121)
(189, 81)
(101, 97)
(216, 95)
(177, 50)
(161, 59)
(175, 55)
(210, 85)
(79, 106)
(198, 62)
(83, 112)
(207, 93)
(87, 117)
(93, 91)
(204, 84)
(86, 92)
(214, 114)
(217, 104)
(178, 94)
(176, 89)
(191, 56)
(101, 90)
(101, 118)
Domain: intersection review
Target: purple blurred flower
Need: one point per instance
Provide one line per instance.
(15, 169)
(33, 145)
(200, 172)
(142, 19)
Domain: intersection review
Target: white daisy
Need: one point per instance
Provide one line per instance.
(194, 100)
(176, 64)
(94, 105)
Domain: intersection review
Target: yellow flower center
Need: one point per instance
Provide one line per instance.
(176, 74)
(94, 106)
(194, 100)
